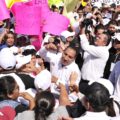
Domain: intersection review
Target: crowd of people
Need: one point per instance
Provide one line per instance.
(71, 76)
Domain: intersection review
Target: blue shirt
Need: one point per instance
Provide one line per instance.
(115, 73)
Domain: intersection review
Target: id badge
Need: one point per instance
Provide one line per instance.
(112, 66)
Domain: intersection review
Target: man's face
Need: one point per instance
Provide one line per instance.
(100, 40)
(111, 29)
(99, 31)
(68, 56)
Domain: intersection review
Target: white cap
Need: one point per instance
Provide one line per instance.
(67, 34)
(97, 4)
(116, 36)
(14, 49)
(29, 47)
(106, 21)
(22, 60)
(7, 59)
(43, 80)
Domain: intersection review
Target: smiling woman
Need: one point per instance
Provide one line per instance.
(10, 39)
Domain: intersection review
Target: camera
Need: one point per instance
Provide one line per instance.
(87, 22)
(56, 41)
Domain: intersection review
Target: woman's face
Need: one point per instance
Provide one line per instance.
(10, 40)
(40, 61)
(15, 93)
(33, 60)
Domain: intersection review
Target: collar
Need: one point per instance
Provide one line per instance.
(89, 113)
(68, 66)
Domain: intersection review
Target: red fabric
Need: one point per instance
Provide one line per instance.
(7, 113)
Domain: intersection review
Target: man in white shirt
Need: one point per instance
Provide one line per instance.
(95, 57)
(62, 66)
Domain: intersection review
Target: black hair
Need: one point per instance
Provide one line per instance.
(75, 44)
(113, 22)
(46, 64)
(99, 98)
(113, 5)
(22, 41)
(38, 56)
(29, 52)
(74, 48)
(7, 85)
(99, 26)
(45, 103)
(53, 7)
(10, 32)
(61, 8)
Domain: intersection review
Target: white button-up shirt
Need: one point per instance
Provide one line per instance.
(94, 116)
(95, 58)
(62, 72)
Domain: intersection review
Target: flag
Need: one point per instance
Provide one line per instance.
(9, 3)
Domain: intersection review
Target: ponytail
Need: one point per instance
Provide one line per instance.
(40, 114)
(45, 103)
(110, 108)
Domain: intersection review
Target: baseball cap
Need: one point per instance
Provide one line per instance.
(43, 80)
(7, 59)
(22, 60)
(67, 34)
